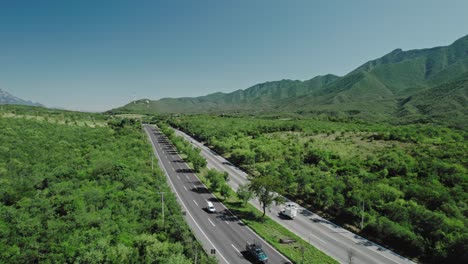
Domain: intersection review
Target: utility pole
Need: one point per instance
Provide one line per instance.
(162, 208)
(152, 162)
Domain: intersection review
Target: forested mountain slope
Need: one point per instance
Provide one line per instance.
(377, 88)
(446, 100)
(266, 95)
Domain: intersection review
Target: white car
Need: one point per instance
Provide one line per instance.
(210, 207)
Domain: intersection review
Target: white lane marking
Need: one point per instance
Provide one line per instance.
(186, 176)
(185, 188)
(173, 169)
(215, 159)
(211, 222)
(235, 248)
(248, 228)
(183, 204)
(178, 177)
(242, 175)
(318, 238)
(195, 187)
(226, 220)
(215, 162)
(195, 202)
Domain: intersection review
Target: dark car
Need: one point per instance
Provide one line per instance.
(257, 252)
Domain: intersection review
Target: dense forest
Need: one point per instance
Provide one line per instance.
(410, 182)
(79, 188)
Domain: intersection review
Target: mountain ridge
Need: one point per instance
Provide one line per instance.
(7, 98)
(374, 88)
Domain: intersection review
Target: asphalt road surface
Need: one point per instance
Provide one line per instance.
(220, 231)
(335, 241)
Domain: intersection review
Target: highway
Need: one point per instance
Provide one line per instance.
(335, 241)
(220, 231)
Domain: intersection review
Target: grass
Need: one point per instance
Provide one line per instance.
(348, 145)
(56, 120)
(299, 251)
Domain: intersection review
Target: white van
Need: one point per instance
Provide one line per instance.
(210, 207)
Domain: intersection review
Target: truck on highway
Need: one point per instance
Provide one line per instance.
(290, 210)
(256, 251)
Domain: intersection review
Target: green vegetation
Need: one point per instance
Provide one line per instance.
(400, 86)
(299, 251)
(76, 194)
(192, 154)
(263, 187)
(244, 194)
(447, 100)
(412, 179)
(53, 116)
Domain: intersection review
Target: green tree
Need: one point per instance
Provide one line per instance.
(215, 178)
(198, 161)
(245, 194)
(225, 191)
(263, 188)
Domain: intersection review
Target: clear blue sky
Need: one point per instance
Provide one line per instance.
(95, 55)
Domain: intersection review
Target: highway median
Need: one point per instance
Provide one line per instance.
(286, 242)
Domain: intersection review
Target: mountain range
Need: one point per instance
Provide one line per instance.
(424, 84)
(7, 98)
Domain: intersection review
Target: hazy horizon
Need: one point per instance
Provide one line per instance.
(93, 56)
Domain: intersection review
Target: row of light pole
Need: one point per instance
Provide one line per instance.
(160, 193)
(350, 255)
(162, 207)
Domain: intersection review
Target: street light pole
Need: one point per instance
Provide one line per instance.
(152, 162)
(162, 208)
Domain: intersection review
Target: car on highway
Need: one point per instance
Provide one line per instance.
(210, 208)
(256, 251)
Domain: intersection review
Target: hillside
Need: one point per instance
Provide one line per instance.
(7, 98)
(448, 99)
(376, 88)
(265, 94)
